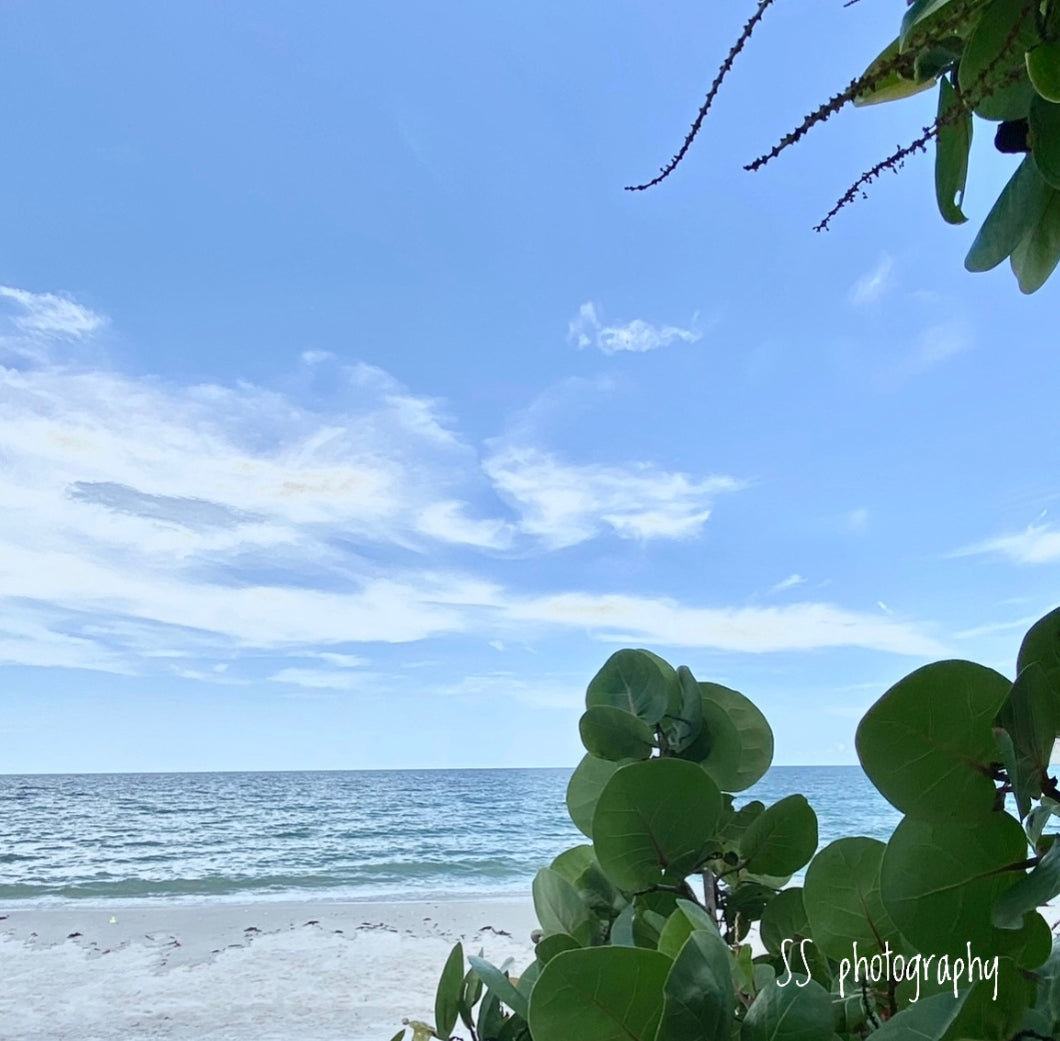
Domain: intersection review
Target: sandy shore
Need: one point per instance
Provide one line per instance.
(264, 971)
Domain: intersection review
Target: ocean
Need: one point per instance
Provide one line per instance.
(349, 835)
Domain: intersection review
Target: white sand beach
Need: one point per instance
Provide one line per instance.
(265, 971)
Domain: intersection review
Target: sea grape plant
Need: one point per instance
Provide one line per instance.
(995, 60)
(644, 928)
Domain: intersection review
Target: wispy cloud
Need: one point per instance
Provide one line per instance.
(857, 520)
(51, 315)
(565, 503)
(873, 285)
(587, 329)
(787, 583)
(1038, 544)
(322, 679)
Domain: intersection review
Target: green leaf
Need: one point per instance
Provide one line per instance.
(654, 821)
(842, 898)
(490, 1016)
(637, 682)
(1013, 214)
(894, 85)
(928, 743)
(1030, 716)
(584, 788)
(1044, 138)
(684, 723)
(1043, 67)
(685, 920)
(470, 993)
(952, 146)
(556, 943)
(501, 985)
(741, 740)
(790, 1013)
(622, 927)
(1037, 255)
(612, 733)
(699, 994)
(559, 908)
(450, 990)
(1042, 645)
(939, 881)
(782, 839)
(993, 56)
(926, 1020)
(399, 1036)
(602, 994)
(1030, 892)
(785, 918)
(579, 867)
(916, 23)
(1038, 818)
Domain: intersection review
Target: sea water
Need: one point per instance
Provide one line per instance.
(387, 834)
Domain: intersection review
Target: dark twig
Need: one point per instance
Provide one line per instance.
(726, 65)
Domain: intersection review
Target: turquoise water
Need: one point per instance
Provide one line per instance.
(332, 835)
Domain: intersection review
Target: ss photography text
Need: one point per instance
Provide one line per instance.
(897, 967)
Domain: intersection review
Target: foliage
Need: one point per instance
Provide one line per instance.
(993, 60)
(643, 928)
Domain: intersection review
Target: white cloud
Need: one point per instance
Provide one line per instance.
(996, 627)
(857, 520)
(316, 357)
(796, 627)
(787, 583)
(939, 343)
(51, 315)
(320, 679)
(1039, 544)
(587, 330)
(873, 285)
(564, 503)
(448, 522)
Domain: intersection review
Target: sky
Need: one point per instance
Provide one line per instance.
(352, 414)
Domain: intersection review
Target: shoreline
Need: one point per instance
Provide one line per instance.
(311, 970)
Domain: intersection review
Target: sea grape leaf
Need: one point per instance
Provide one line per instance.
(555, 943)
(584, 788)
(927, 1020)
(683, 921)
(741, 740)
(612, 733)
(1036, 256)
(1044, 137)
(892, 86)
(1041, 644)
(635, 681)
(600, 994)
(1030, 716)
(699, 994)
(842, 898)
(993, 66)
(938, 883)
(782, 838)
(500, 984)
(622, 927)
(559, 908)
(1043, 67)
(654, 821)
(784, 918)
(490, 1016)
(790, 1013)
(1014, 213)
(683, 723)
(928, 743)
(449, 992)
(952, 145)
(1031, 891)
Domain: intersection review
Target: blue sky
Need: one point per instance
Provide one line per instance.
(351, 414)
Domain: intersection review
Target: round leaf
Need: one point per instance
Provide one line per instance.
(784, 919)
(842, 898)
(637, 682)
(584, 788)
(559, 908)
(939, 882)
(790, 1013)
(782, 838)
(612, 733)
(993, 56)
(1042, 645)
(1043, 67)
(600, 994)
(928, 743)
(699, 994)
(654, 820)
(740, 739)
